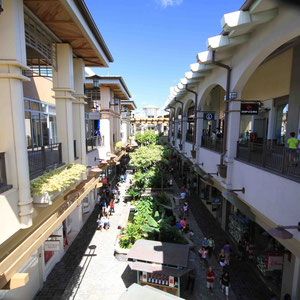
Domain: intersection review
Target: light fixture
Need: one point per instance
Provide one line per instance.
(281, 232)
(242, 190)
(95, 82)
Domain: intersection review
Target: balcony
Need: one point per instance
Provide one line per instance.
(3, 182)
(190, 137)
(215, 144)
(43, 159)
(92, 143)
(273, 158)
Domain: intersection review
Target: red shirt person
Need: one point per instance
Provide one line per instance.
(210, 278)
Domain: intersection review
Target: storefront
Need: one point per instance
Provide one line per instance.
(92, 124)
(40, 123)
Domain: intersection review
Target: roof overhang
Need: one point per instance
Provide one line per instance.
(129, 103)
(115, 83)
(71, 22)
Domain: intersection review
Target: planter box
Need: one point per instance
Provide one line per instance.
(45, 199)
(222, 170)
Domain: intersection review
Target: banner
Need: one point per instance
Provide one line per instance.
(249, 108)
(274, 262)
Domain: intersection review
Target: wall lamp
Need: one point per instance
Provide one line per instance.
(238, 190)
(281, 232)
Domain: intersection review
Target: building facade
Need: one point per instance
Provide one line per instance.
(55, 39)
(230, 119)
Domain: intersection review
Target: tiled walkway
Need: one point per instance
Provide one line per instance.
(245, 282)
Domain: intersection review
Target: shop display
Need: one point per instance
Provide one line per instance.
(160, 280)
(238, 227)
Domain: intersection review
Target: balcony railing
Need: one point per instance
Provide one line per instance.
(212, 143)
(190, 137)
(271, 157)
(3, 182)
(44, 158)
(92, 143)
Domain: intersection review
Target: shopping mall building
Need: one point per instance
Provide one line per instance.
(230, 119)
(47, 122)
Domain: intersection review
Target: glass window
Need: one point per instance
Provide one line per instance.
(28, 129)
(26, 104)
(35, 106)
(45, 130)
(44, 107)
(36, 130)
(52, 129)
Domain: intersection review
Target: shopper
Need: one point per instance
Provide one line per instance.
(222, 259)
(111, 207)
(293, 145)
(105, 222)
(211, 246)
(186, 208)
(183, 195)
(227, 250)
(125, 176)
(205, 244)
(225, 282)
(99, 222)
(203, 256)
(210, 278)
(183, 223)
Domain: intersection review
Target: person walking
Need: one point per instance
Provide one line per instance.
(225, 282)
(186, 209)
(222, 259)
(227, 250)
(211, 246)
(210, 278)
(111, 207)
(203, 256)
(205, 244)
(293, 145)
(99, 222)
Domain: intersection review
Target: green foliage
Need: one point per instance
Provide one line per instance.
(56, 180)
(149, 137)
(163, 198)
(118, 145)
(132, 192)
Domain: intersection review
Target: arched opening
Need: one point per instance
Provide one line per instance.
(190, 125)
(213, 119)
(270, 112)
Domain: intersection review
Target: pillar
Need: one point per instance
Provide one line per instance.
(12, 116)
(294, 103)
(233, 132)
(296, 280)
(78, 110)
(63, 86)
(199, 135)
(184, 128)
(224, 212)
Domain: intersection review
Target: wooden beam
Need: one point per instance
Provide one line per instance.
(18, 280)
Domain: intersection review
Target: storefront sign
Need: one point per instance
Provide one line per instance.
(52, 245)
(94, 115)
(216, 201)
(249, 108)
(274, 262)
(208, 116)
(171, 281)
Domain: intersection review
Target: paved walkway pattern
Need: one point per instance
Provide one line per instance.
(89, 269)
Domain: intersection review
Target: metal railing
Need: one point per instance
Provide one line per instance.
(212, 143)
(44, 158)
(92, 143)
(3, 181)
(271, 157)
(190, 137)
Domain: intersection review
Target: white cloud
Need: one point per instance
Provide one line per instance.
(165, 3)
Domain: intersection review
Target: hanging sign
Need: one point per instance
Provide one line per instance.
(52, 245)
(274, 262)
(249, 108)
(94, 115)
(209, 116)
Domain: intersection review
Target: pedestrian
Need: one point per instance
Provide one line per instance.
(98, 199)
(105, 222)
(191, 280)
(99, 222)
(186, 208)
(183, 195)
(183, 223)
(125, 176)
(111, 207)
(178, 224)
(103, 205)
(203, 256)
(227, 250)
(211, 246)
(293, 145)
(222, 259)
(205, 243)
(225, 282)
(210, 278)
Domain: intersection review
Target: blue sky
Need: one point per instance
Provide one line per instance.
(153, 42)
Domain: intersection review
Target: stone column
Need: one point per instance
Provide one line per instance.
(294, 103)
(184, 128)
(63, 86)
(233, 132)
(199, 135)
(78, 110)
(12, 116)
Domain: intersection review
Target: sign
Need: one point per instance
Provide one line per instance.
(274, 262)
(209, 116)
(171, 281)
(216, 201)
(52, 245)
(144, 277)
(94, 115)
(249, 108)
